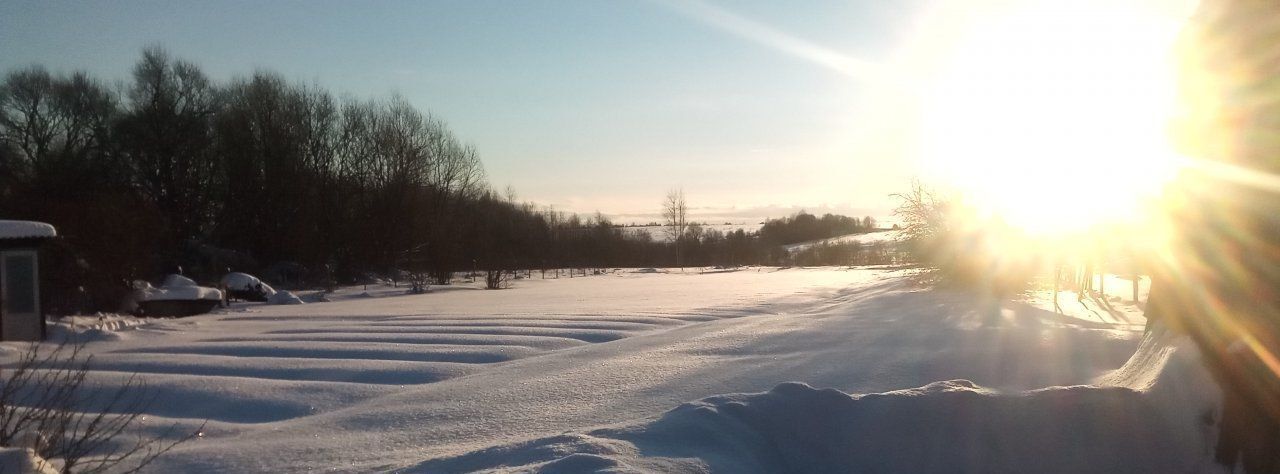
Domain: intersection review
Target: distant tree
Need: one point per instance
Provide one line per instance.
(28, 119)
(868, 224)
(925, 218)
(805, 227)
(675, 213)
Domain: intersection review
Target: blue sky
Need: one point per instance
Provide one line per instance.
(584, 105)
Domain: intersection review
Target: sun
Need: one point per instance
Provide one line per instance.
(1054, 116)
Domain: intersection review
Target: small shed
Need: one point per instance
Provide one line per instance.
(21, 318)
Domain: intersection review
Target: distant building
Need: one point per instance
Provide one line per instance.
(21, 318)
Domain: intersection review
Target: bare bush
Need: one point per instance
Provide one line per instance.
(926, 230)
(46, 406)
(495, 279)
(945, 236)
(419, 281)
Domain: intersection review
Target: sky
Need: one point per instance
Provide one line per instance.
(755, 108)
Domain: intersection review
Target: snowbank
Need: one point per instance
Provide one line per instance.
(99, 327)
(177, 296)
(284, 297)
(26, 230)
(24, 461)
(1152, 415)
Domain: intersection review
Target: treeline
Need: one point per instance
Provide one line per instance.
(805, 227)
(520, 236)
(259, 174)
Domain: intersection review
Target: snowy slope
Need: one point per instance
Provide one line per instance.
(875, 237)
(461, 377)
(1150, 416)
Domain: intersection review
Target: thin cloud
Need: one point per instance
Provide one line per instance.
(770, 37)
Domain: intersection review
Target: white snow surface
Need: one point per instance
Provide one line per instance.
(755, 370)
(26, 229)
(1155, 419)
(88, 328)
(24, 461)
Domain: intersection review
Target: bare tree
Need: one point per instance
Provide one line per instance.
(924, 215)
(45, 406)
(675, 212)
(167, 135)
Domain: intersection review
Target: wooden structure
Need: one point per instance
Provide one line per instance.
(21, 317)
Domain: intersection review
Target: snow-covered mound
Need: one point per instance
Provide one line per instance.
(284, 297)
(177, 296)
(24, 461)
(244, 285)
(91, 328)
(1153, 415)
(175, 287)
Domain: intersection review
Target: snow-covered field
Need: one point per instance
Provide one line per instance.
(751, 370)
(880, 236)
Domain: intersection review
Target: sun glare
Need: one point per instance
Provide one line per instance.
(1053, 117)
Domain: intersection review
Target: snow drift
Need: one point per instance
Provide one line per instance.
(246, 287)
(24, 461)
(1155, 414)
(284, 297)
(176, 296)
(26, 230)
(583, 373)
(91, 328)
(175, 287)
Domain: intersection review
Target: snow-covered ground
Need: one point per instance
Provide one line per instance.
(879, 236)
(756, 369)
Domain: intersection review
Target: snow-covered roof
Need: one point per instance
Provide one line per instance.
(26, 230)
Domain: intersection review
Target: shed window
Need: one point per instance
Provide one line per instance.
(20, 284)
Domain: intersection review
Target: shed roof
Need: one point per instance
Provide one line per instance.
(26, 230)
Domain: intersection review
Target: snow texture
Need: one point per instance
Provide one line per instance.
(580, 374)
(26, 230)
(99, 327)
(24, 461)
(1157, 425)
